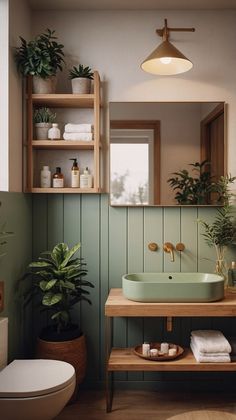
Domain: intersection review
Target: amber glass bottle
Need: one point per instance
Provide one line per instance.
(58, 179)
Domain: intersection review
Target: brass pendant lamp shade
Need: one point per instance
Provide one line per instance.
(167, 60)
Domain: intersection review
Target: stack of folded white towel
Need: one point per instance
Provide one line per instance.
(78, 132)
(210, 346)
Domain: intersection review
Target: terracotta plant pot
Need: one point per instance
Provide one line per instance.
(81, 85)
(41, 130)
(43, 86)
(72, 351)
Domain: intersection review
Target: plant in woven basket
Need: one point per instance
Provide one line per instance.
(58, 280)
(81, 71)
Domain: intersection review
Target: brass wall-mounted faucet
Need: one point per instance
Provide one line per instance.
(169, 248)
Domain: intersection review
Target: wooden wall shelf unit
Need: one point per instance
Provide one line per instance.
(34, 147)
(121, 359)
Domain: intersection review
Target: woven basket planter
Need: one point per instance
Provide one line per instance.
(72, 351)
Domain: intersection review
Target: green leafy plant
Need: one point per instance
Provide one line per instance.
(221, 187)
(220, 234)
(81, 71)
(58, 279)
(190, 189)
(42, 56)
(44, 115)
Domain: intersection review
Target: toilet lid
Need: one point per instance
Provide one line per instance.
(30, 378)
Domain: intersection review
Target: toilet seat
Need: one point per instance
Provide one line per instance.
(31, 378)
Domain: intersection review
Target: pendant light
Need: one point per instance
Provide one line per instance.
(166, 60)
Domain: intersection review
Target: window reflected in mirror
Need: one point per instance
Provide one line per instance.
(166, 153)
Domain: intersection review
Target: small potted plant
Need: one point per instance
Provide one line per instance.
(41, 58)
(43, 119)
(58, 281)
(81, 79)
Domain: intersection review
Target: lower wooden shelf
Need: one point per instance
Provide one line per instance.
(63, 190)
(125, 360)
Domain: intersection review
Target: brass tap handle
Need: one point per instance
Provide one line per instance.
(169, 247)
(152, 246)
(180, 247)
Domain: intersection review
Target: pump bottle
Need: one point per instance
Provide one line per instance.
(74, 174)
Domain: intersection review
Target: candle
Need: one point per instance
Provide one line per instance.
(164, 348)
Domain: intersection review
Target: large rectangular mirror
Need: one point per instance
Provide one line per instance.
(158, 151)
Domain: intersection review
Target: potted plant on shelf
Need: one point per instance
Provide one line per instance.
(58, 280)
(81, 79)
(41, 58)
(43, 119)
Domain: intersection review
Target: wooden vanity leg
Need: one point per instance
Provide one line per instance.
(109, 377)
(109, 391)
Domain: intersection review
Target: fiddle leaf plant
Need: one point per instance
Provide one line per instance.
(58, 278)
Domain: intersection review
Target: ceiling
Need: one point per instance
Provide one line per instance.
(132, 4)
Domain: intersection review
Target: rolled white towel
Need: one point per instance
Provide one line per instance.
(208, 358)
(78, 136)
(210, 341)
(78, 128)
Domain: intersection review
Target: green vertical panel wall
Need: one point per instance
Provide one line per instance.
(115, 241)
(16, 212)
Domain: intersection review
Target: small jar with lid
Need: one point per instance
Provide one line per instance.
(54, 133)
(58, 179)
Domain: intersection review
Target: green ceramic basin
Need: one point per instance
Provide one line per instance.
(173, 287)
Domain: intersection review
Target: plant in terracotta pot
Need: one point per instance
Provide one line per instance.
(43, 119)
(81, 79)
(58, 281)
(41, 58)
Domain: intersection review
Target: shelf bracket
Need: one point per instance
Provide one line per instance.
(169, 323)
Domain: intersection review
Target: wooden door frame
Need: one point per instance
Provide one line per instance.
(155, 126)
(215, 113)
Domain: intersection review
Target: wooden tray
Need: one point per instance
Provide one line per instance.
(138, 352)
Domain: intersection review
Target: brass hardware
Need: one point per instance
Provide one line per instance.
(165, 32)
(153, 246)
(169, 248)
(169, 323)
(180, 247)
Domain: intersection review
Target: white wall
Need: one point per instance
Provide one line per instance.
(115, 43)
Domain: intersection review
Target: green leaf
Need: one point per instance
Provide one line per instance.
(51, 299)
(70, 254)
(38, 264)
(59, 253)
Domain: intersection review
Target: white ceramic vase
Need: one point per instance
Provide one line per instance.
(81, 85)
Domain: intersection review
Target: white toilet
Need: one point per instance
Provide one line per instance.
(35, 389)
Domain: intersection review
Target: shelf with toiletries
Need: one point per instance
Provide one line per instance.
(125, 359)
(73, 113)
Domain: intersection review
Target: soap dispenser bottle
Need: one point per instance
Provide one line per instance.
(74, 174)
(86, 179)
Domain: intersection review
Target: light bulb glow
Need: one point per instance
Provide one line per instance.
(165, 60)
